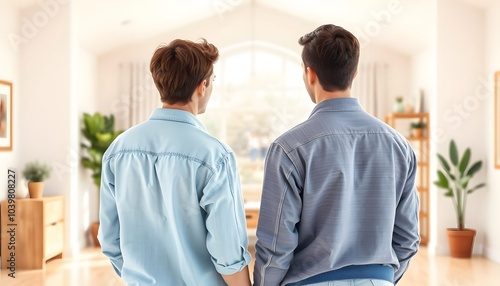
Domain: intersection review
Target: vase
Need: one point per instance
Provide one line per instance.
(399, 107)
(35, 189)
(409, 108)
(22, 189)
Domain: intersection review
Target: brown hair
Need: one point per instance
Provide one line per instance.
(333, 53)
(179, 67)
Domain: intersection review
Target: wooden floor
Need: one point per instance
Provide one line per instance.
(92, 268)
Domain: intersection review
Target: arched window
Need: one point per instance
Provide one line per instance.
(258, 94)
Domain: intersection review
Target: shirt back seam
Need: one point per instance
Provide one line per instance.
(163, 154)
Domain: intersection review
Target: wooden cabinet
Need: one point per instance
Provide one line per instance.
(420, 145)
(252, 217)
(252, 195)
(39, 231)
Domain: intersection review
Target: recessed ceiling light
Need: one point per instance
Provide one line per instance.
(126, 22)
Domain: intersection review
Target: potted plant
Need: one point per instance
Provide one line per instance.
(399, 107)
(36, 173)
(455, 179)
(417, 129)
(99, 132)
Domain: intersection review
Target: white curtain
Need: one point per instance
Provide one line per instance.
(139, 96)
(370, 87)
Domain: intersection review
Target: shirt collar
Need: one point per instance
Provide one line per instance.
(338, 104)
(177, 115)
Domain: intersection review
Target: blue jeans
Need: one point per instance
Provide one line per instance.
(354, 282)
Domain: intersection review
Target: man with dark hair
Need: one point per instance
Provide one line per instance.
(339, 204)
(171, 203)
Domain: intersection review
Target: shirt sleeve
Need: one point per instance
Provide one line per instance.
(222, 201)
(109, 229)
(280, 210)
(406, 239)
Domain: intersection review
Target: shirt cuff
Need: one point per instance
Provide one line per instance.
(236, 267)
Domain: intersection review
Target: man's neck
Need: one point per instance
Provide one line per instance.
(322, 95)
(189, 107)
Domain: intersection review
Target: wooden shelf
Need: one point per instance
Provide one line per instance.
(423, 166)
(416, 138)
(407, 115)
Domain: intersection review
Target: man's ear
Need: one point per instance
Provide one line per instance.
(356, 74)
(311, 76)
(201, 87)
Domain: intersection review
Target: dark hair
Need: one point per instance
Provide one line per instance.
(179, 67)
(333, 53)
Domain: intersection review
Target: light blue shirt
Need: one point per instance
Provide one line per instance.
(171, 204)
(339, 190)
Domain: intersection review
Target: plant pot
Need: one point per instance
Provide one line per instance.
(461, 242)
(418, 132)
(35, 189)
(94, 228)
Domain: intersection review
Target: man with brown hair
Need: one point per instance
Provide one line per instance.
(171, 203)
(339, 204)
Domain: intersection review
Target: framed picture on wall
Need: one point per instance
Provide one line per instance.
(5, 116)
(497, 120)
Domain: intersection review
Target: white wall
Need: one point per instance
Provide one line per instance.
(423, 75)
(88, 193)
(398, 75)
(46, 100)
(9, 71)
(492, 194)
(459, 113)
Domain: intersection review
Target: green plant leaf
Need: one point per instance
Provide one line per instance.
(444, 163)
(109, 124)
(96, 155)
(476, 187)
(86, 162)
(449, 193)
(476, 167)
(104, 138)
(93, 123)
(97, 179)
(100, 133)
(453, 153)
(464, 161)
(36, 172)
(443, 181)
(464, 181)
(84, 146)
(416, 125)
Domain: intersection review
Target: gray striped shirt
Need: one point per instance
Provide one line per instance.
(339, 190)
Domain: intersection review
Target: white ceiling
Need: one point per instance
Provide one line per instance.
(480, 3)
(21, 4)
(404, 31)
(101, 29)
